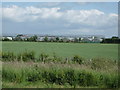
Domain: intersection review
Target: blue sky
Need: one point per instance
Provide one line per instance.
(99, 18)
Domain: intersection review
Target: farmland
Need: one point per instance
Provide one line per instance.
(44, 65)
(64, 49)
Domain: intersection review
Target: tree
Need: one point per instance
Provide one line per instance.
(111, 40)
(76, 40)
(114, 37)
(57, 39)
(79, 39)
(33, 38)
(46, 39)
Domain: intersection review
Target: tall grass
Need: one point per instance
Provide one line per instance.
(20, 72)
(43, 57)
(26, 56)
(75, 71)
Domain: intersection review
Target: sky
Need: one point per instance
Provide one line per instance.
(60, 18)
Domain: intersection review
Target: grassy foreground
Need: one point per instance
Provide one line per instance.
(57, 75)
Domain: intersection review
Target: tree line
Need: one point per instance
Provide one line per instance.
(111, 40)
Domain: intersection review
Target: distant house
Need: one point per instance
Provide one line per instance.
(92, 39)
(21, 37)
(10, 38)
(65, 39)
(7, 38)
(97, 40)
(71, 39)
(51, 38)
(40, 38)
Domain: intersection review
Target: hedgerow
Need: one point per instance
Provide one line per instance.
(60, 76)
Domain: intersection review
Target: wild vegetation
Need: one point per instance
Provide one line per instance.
(27, 66)
(75, 72)
(59, 74)
(43, 57)
(74, 75)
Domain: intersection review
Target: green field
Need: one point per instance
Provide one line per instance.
(55, 72)
(64, 49)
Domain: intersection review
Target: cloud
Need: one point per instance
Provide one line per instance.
(83, 21)
(31, 13)
(90, 17)
(50, 4)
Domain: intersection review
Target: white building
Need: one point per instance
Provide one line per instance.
(10, 38)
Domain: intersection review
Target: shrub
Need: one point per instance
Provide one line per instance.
(111, 81)
(70, 77)
(27, 56)
(102, 63)
(11, 74)
(8, 56)
(19, 57)
(77, 59)
(58, 75)
(56, 58)
(43, 57)
(32, 77)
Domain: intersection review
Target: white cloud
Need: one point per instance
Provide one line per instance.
(92, 17)
(89, 17)
(50, 3)
(31, 13)
(84, 20)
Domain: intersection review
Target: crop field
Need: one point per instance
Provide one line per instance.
(64, 49)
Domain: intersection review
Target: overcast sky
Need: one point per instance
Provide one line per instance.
(60, 18)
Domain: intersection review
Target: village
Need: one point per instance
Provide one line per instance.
(53, 38)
